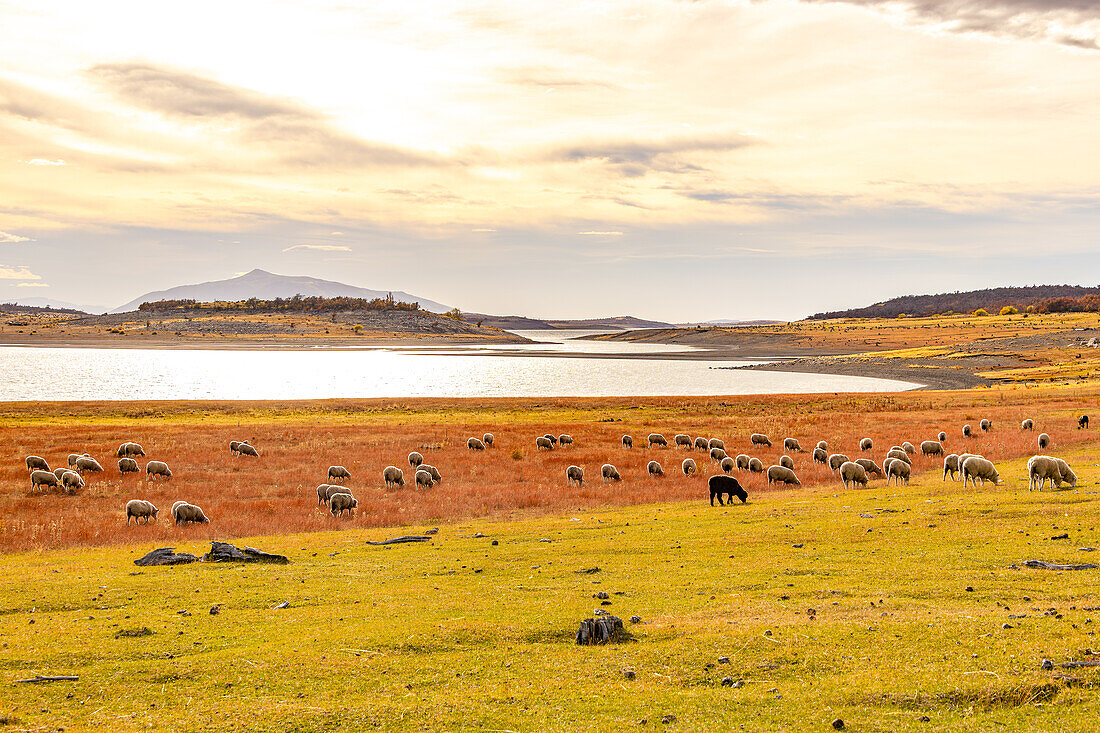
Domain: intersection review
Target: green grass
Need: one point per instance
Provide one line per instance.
(458, 634)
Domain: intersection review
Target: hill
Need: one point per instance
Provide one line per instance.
(618, 323)
(991, 299)
(268, 286)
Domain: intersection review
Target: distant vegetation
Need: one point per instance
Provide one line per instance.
(1042, 298)
(17, 308)
(297, 304)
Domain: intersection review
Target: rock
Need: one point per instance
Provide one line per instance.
(635, 619)
(1046, 664)
(723, 660)
(599, 612)
(284, 604)
(494, 543)
(1006, 626)
(605, 603)
(546, 539)
(969, 589)
(225, 552)
(1063, 536)
(668, 719)
(924, 719)
(798, 546)
(433, 530)
(628, 673)
(602, 595)
(478, 535)
(727, 682)
(166, 556)
(215, 609)
(838, 724)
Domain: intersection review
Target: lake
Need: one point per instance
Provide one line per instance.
(33, 373)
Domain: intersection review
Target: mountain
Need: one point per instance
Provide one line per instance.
(991, 299)
(268, 286)
(512, 323)
(59, 305)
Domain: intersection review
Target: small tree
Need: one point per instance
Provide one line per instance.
(454, 313)
(981, 312)
(1009, 310)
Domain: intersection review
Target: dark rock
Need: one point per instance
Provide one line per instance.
(225, 552)
(924, 719)
(494, 543)
(628, 673)
(1046, 664)
(433, 530)
(635, 619)
(602, 595)
(166, 556)
(723, 660)
(1064, 536)
(215, 609)
(139, 631)
(838, 724)
(727, 682)
(969, 589)
(668, 719)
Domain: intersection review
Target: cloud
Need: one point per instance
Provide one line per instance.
(17, 273)
(31, 285)
(1068, 22)
(6, 238)
(633, 158)
(319, 248)
(44, 161)
(602, 234)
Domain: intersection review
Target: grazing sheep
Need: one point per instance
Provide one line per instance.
(247, 449)
(908, 448)
(574, 475)
(900, 455)
(728, 486)
(760, 439)
(543, 443)
(140, 509)
(129, 449)
(688, 466)
(791, 445)
(1041, 469)
(488, 439)
(822, 445)
(931, 448)
(782, 475)
(852, 473)
(897, 470)
(37, 463)
(235, 446)
(340, 503)
(475, 444)
(325, 492)
(58, 471)
(715, 443)
(786, 462)
(178, 504)
(87, 463)
(717, 454)
(415, 459)
(73, 457)
(565, 440)
(869, 466)
(628, 442)
(423, 478)
(985, 425)
(702, 443)
(967, 431)
(836, 459)
(338, 473)
(866, 444)
(657, 439)
(727, 465)
(157, 469)
(942, 437)
(951, 466)
(552, 438)
(71, 481)
(654, 469)
(682, 439)
(1028, 424)
(1067, 473)
(1044, 440)
(44, 478)
(610, 473)
(393, 476)
(743, 462)
(820, 456)
(1083, 422)
(184, 513)
(433, 472)
(756, 465)
(975, 468)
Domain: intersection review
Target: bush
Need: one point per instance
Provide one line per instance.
(1009, 310)
(981, 312)
(517, 455)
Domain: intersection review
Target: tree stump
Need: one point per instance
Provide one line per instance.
(225, 552)
(166, 556)
(602, 630)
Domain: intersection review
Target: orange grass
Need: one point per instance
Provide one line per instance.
(298, 441)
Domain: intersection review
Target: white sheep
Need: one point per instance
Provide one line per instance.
(433, 472)
(908, 448)
(682, 439)
(782, 475)
(717, 454)
(852, 473)
(897, 470)
(836, 459)
(87, 463)
(760, 439)
(552, 438)
(475, 444)
(942, 437)
(44, 478)
(1027, 424)
(791, 445)
(393, 476)
(688, 466)
(1041, 469)
(565, 440)
(139, 509)
(900, 455)
(950, 466)
(985, 425)
(129, 449)
(967, 431)
(727, 465)
(869, 466)
(73, 457)
(702, 443)
(488, 439)
(657, 439)
(183, 513)
(786, 462)
(743, 461)
(574, 475)
(756, 465)
(543, 443)
(423, 478)
(37, 463)
(628, 442)
(610, 473)
(338, 473)
(866, 444)
(325, 492)
(654, 469)
(340, 503)
(71, 482)
(247, 449)
(715, 443)
(975, 469)
(415, 459)
(931, 448)
(820, 456)
(1044, 440)
(157, 469)
(822, 445)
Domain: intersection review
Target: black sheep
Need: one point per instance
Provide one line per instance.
(1083, 422)
(727, 485)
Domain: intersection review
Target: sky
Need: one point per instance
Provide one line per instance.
(674, 160)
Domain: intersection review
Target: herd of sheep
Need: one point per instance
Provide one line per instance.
(339, 500)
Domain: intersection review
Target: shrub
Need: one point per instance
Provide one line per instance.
(1009, 310)
(517, 455)
(981, 312)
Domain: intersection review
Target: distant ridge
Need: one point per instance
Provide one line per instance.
(621, 323)
(59, 305)
(268, 286)
(991, 299)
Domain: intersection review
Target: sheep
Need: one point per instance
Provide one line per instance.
(1067, 473)
(542, 442)
(727, 464)
(728, 486)
(393, 476)
(822, 445)
(743, 462)
(1040, 469)
(786, 462)
(610, 473)
(415, 459)
(900, 455)
(717, 454)
(942, 437)
(931, 448)
(869, 466)
(37, 463)
(985, 425)
(1027, 424)
(58, 471)
(791, 445)
(836, 459)
(235, 446)
(138, 509)
(129, 449)
(975, 468)
(1044, 440)
(756, 465)
(702, 443)
(628, 442)
(897, 470)
(73, 457)
(565, 440)
(475, 444)
(157, 469)
(433, 472)
(715, 443)
(574, 475)
(950, 466)
(87, 463)
(325, 492)
(866, 444)
(657, 439)
(760, 439)
(967, 431)
(782, 475)
(852, 473)
(183, 513)
(71, 482)
(908, 448)
(338, 473)
(681, 439)
(246, 449)
(423, 478)
(44, 478)
(688, 466)
(1083, 422)
(488, 439)
(178, 504)
(820, 456)
(654, 469)
(340, 503)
